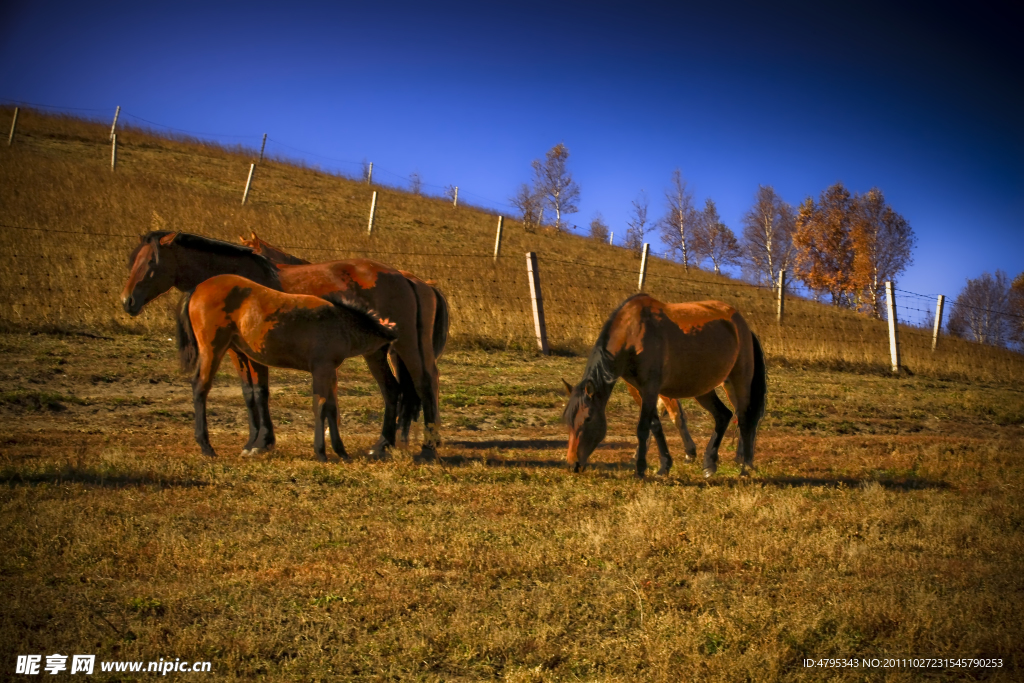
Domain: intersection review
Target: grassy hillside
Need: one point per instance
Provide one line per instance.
(56, 183)
(885, 519)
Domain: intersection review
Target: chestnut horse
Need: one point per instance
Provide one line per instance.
(280, 330)
(674, 350)
(163, 260)
(408, 400)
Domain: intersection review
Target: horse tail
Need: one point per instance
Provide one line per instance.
(758, 385)
(441, 322)
(188, 347)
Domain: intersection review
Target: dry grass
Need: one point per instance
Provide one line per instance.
(57, 178)
(886, 518)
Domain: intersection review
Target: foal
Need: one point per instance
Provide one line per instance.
(281, 330)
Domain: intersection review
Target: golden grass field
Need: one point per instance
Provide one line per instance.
(885, 517)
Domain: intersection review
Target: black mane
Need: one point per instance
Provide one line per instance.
(600, 368)
(209, 245)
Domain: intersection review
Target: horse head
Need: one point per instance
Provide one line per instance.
(585, 420)
(151, 271)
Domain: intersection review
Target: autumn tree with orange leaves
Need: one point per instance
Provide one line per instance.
(824, 244)
(882, 242)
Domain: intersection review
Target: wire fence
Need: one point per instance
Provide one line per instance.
(61, 278)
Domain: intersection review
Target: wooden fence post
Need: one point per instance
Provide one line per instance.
(248, 182)
(938, 321)
(113, 126)
(643, 268)
(611, 237)
(263, 147)
(369, 174)
(113, 152)
(14, 124)
(497, 239)
(894, 340)
(373, 210)
(538, 302)
(782, 296)
(455, 198)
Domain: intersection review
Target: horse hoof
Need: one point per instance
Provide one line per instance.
(689, 458)
(379, 451)
(321, 457)
(708, 473)
(245, 452)
(663, 473)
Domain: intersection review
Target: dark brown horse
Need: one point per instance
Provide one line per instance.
(163, 260)
(408, 400)
(276, 329)
(678, 351)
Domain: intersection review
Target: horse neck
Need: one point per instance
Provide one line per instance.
(604, 371)
(195, 266)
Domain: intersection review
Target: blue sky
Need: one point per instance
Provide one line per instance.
(924, 101)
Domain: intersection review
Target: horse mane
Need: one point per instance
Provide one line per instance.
(210, 245)
(600, 369)
(600, 363)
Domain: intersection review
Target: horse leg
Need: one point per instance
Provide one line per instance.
(206, 369)
(409, 405)
(648, 414)
(377, 362)
(711, 403)
(248, 377)
(739, 395)
(675, 411)
(659, 438)
(325, 412)
(265, 438)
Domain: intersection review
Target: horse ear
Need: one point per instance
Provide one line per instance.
(567, 387)
(589, 389)
(166, 240)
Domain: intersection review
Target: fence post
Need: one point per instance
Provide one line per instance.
(248, 182)
(538, 302)
(14, 124)
(497, 239)
(113, 126)
(611, 237)
(369, 174)
(113, 152)
(455, 199)
(938, 321)
(373, 210)
(643, 268)
(894, 340)
(263, 147)
(782, 296)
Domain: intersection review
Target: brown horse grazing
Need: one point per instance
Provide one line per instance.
(163, 260)
(408, 400)
(675, 350)
(276, 329)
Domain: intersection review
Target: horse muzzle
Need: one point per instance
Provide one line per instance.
(128, 303)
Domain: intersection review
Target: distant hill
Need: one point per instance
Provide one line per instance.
(69, 222)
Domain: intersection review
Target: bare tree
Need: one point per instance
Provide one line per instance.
(598, 228)
(528, 203)
(1017, 308)
(678, 225)
(981, 311)
(714, 240)
(638, 226)
(882, 244)
(554, 183)
(768, 236)
(415, 183)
